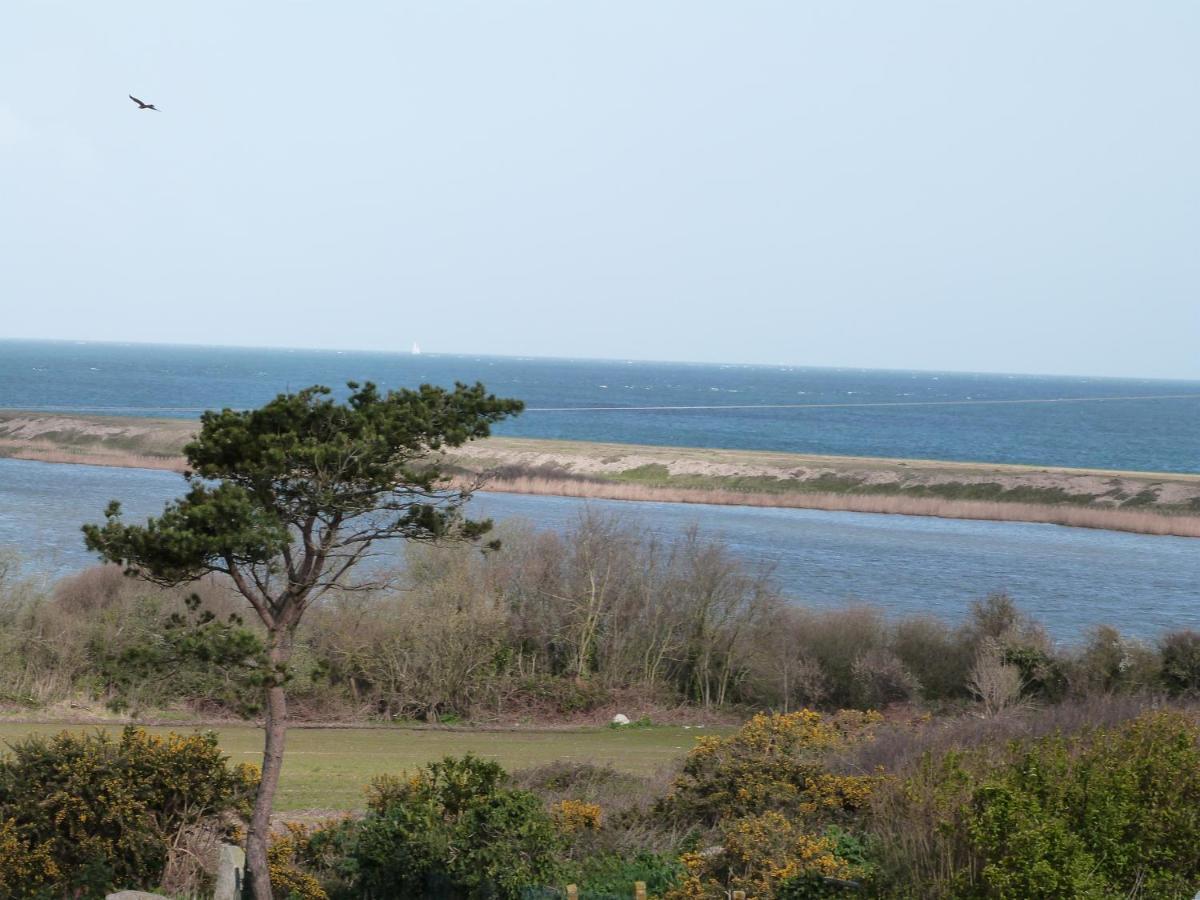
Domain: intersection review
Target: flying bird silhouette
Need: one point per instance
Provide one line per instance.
(142, 105)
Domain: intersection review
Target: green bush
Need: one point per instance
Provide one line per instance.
(1181, 663)
(1113, 812)
(1107, 813)
(452, 831)
(1042, 674)
(101, 813)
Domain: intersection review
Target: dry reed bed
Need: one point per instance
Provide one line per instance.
(99, 456)
(1137, 521)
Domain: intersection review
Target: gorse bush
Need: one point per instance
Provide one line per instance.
(769, 794)
(774, 762)
(87, 813)
(288, 856)
(769, 856)
(452, 831)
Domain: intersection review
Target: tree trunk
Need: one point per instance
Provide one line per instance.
(259, 836)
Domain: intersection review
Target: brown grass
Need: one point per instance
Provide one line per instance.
(1137, 521)
(98, 456)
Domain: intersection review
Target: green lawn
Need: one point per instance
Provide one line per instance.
(327, 768)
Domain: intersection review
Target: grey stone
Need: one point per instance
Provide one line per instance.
(135, 895)
(231, 873)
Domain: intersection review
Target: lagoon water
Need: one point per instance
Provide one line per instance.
(1069, 578)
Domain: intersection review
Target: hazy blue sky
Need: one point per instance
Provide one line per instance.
(997, 186)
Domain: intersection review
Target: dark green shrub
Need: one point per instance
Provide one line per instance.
(105, 812)
(938, 657)
(1043, 675)
(1181, 662)
(452, 831)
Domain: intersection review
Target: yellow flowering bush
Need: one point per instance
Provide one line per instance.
(572, 816)
(91, 812)
(767, 792)
(759, 855)
(23, 867)
(772, 762)
(284, 857)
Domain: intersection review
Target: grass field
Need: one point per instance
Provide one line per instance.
(328, 768)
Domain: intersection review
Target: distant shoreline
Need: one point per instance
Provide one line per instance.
(1138, 502)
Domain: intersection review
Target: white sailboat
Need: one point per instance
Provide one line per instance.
(416, 350)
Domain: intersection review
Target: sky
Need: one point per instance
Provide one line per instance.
(984, 186)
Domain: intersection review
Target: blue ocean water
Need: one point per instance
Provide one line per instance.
(1143, 424)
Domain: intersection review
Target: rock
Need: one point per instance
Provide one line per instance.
(135, 895)
(620, 719)
(231, 873)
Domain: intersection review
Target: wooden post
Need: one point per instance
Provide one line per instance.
(739, 895)
(572, 892)
(639, 890)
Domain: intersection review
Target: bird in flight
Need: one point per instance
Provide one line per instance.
(142, 105)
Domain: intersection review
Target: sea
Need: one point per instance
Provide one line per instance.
(1069, 578)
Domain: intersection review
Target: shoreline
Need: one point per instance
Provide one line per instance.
(1136, 502)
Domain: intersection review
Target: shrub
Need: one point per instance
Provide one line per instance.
(995, 683)
(939, 658)
(1106, 813)
(880, 679)
(453, 830)
(1122, 805)
(25, 870)
(772, 762)
(571, 816)
(1181, 662)
(768, 856)
(1042, 674)
(286, 856)
(835, 640)
(93, 813)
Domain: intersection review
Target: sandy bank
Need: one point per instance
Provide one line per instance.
(1143, 502)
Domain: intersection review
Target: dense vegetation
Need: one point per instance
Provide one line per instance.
(1000, 764)
(799, 805)
(551, 626)
(80, 815)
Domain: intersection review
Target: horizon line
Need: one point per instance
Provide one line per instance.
(607, 359)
